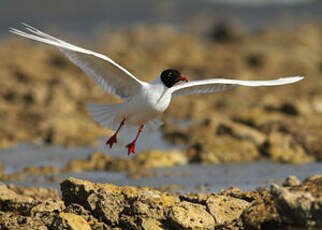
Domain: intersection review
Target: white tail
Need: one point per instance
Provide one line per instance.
(105, 114)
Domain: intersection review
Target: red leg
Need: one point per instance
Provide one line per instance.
(131, 146)
(113, 139)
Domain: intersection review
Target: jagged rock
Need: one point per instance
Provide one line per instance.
(149, 223)
(291, 181)
(106, 201)
(70, 221)
(88, 205)
(36, 193)
(187, 215)
(225, 209)
(105, 204)
(47, 206)
(94, 223)
(261, 212)
(11, 221)
(238, 193)
(299, 207)
(312, 184)
(11, 201)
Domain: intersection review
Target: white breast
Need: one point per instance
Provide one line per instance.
(152, 100)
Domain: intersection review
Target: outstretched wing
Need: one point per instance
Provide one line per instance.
(218, 84)
(112, 77)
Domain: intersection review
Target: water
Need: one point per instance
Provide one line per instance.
(246, 176)
(189, 178)
(27, 154)
(212, 178)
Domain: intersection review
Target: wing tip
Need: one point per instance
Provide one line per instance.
(289, 80)
(296, 78)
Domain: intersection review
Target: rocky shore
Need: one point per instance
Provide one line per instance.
(86, 205)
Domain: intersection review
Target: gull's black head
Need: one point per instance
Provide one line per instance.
(170, 77)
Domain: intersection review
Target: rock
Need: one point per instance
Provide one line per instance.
(283, 148)
(291, 181)
(11, 201)
(87, 205)
(261, 212)
(146, 160)
(312, 184)
(297, 208)
(159, 159)
(308, 132)
(187, 215)
(36, 193)
(95, 162)
(225, 209)
(235, 192)
(91, 220)
(241, 131)
(11, 221)
(42, 170)
(259, 117)
(71, 221)
(223, 149)
(47, 206)
(106, 202)
(148, 223)
(125, 206)
(218, 139)
(100, 200)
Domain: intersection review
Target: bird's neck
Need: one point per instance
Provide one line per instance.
(156, 81)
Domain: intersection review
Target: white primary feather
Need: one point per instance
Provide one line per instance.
(112, 77)
(218, 84)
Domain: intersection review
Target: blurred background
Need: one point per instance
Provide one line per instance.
(246, 137)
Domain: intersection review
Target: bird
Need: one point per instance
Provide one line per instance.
(143, 102)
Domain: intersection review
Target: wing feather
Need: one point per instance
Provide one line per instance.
(219, 84)
(112, 77)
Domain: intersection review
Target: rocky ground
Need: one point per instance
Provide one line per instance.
(43, 96)
(85, 205)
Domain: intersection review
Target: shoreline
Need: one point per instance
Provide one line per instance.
(86, 205)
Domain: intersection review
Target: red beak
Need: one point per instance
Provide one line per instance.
(183, 78)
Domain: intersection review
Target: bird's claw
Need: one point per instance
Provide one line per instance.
(111, 141)
(131, 148)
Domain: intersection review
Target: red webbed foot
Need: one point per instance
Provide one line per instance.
(111, 141)
(131, 148)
